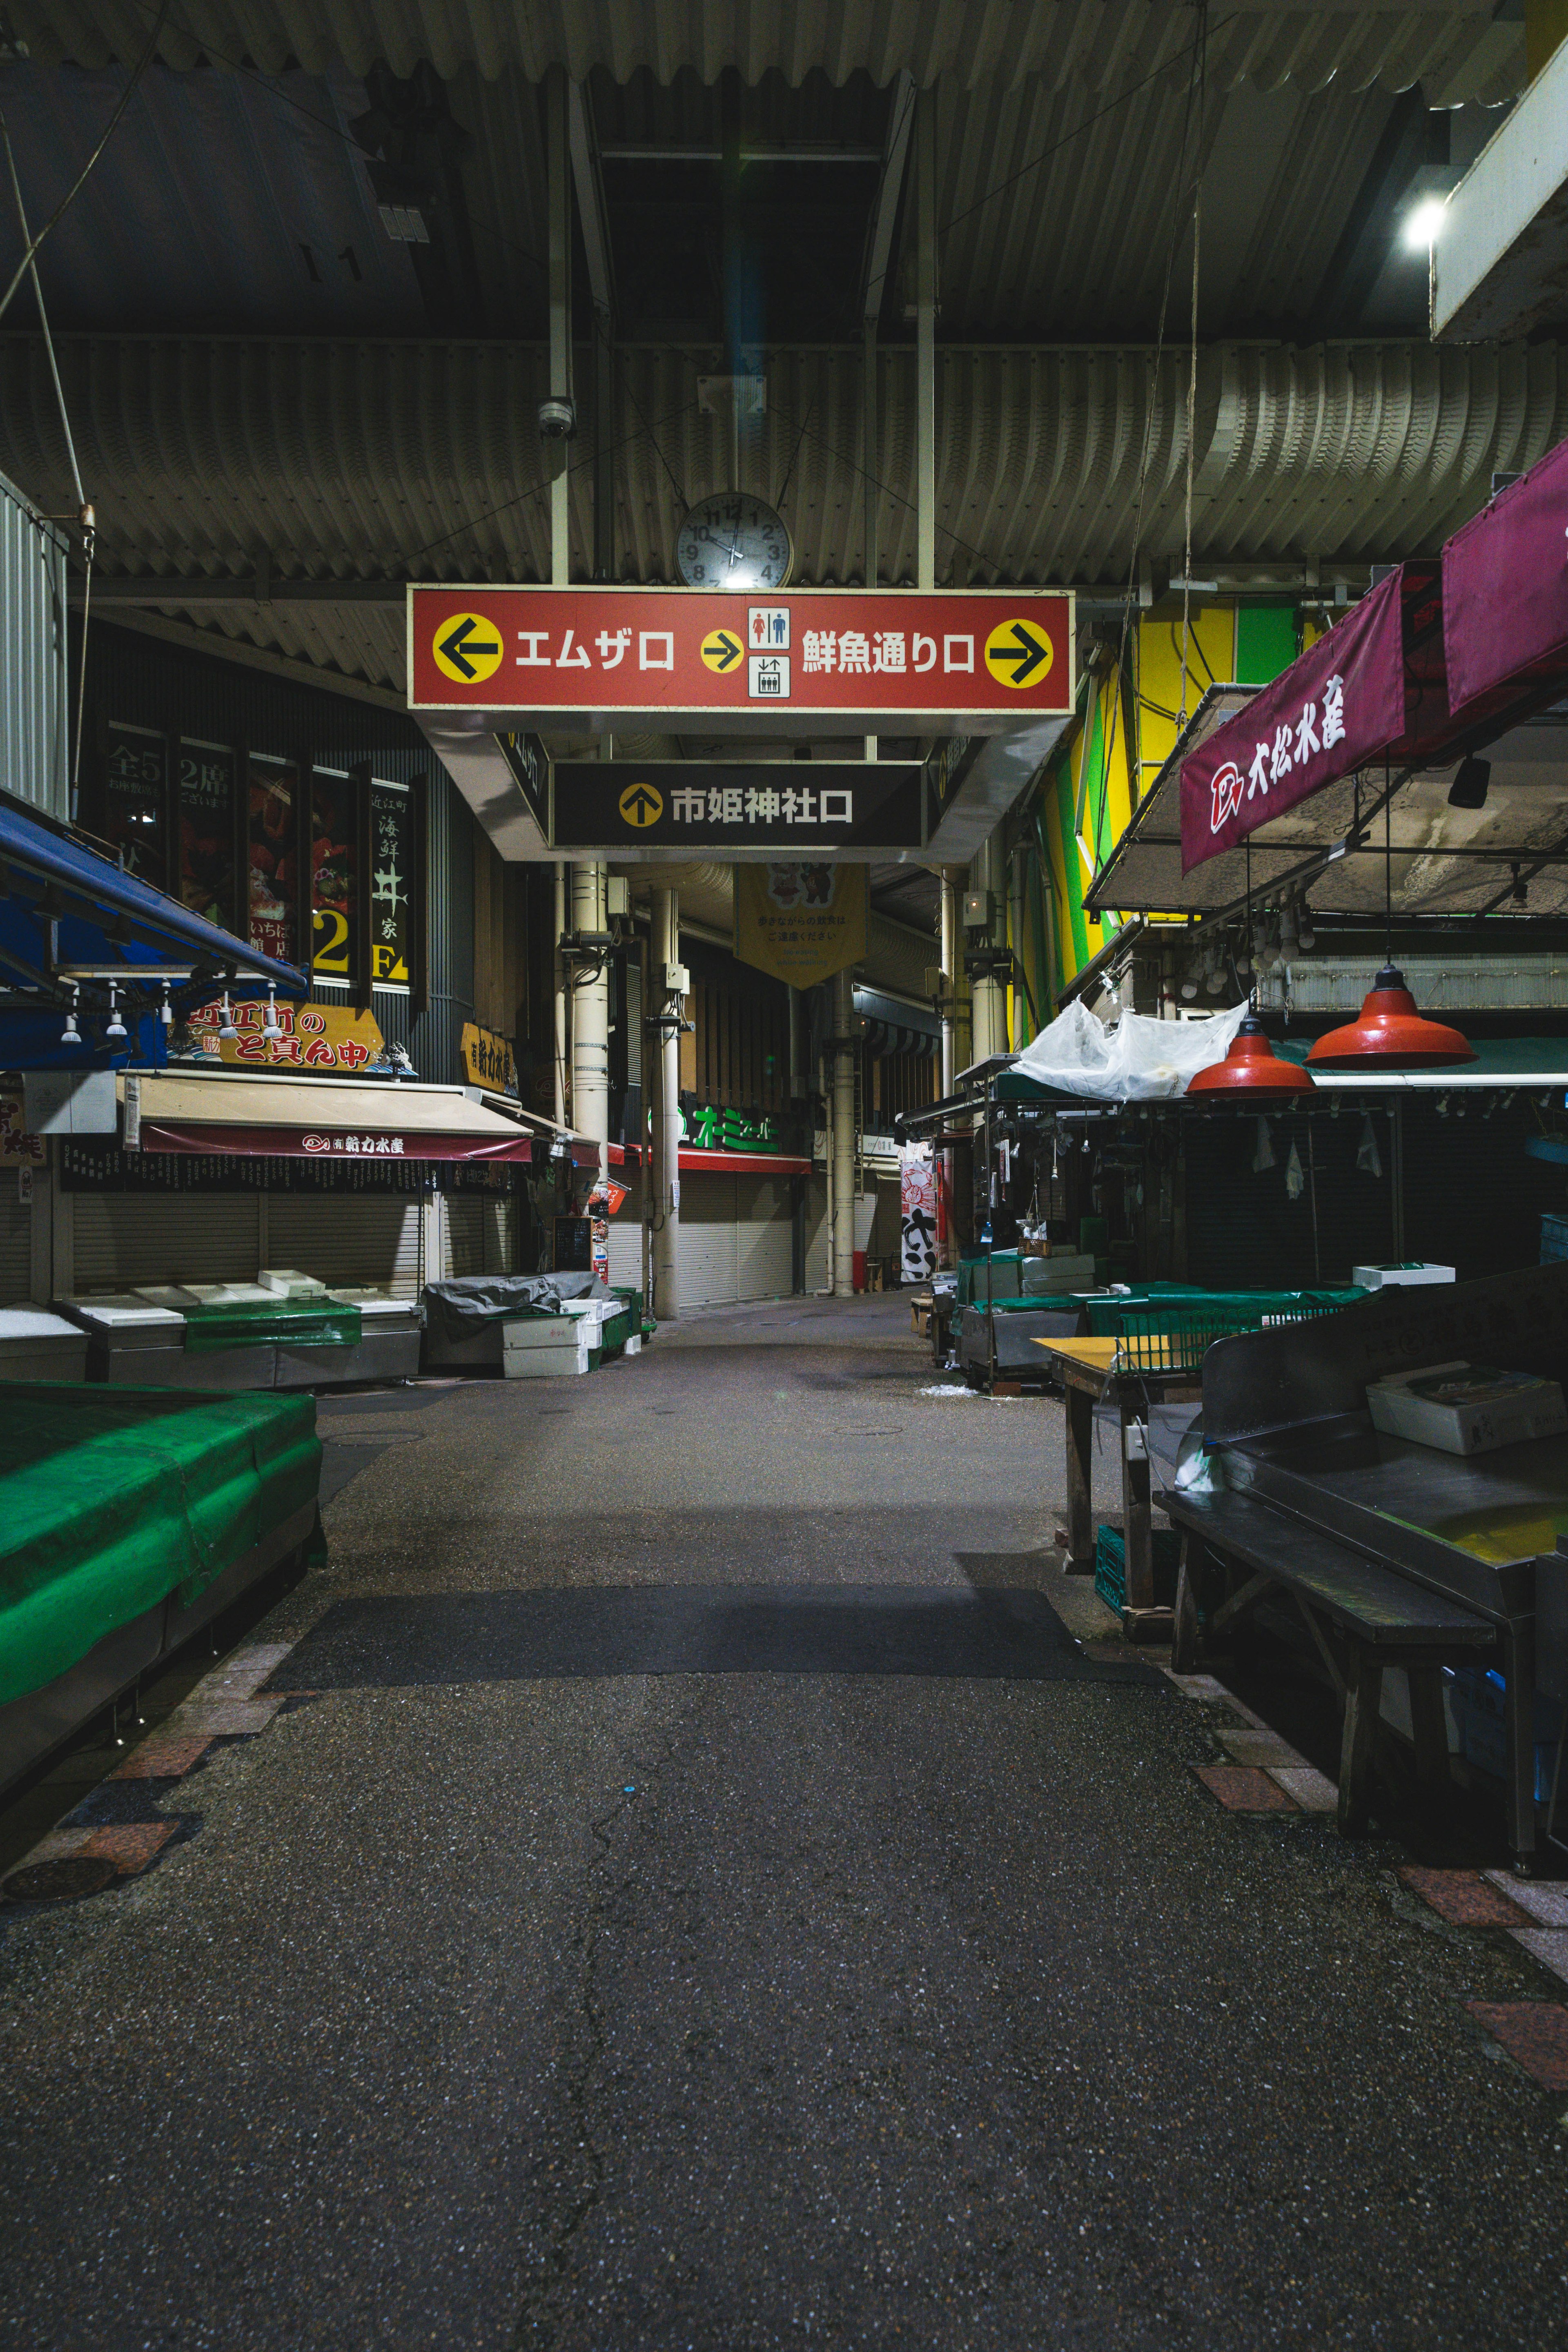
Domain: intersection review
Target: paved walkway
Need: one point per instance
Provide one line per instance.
(690, 1890)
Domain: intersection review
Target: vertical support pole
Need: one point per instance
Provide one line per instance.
(1137, 1514)
(1519, 1668)
(560, 995)
(843, 1135)
(664, 1174)
(604, 447)
(990, 999)
(590, 1020)
(868, 458)
(925, 339)
(947, 954)
(558, 164)
(1080, 1479)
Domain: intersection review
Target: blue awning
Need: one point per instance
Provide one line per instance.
(103, 921)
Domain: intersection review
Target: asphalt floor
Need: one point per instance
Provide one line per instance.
(713, 1882)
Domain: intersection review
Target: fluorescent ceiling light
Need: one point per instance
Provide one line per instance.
(1424, 222)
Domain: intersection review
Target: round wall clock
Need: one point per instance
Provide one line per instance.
(731, 541)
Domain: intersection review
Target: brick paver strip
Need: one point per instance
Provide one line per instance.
(233, 1718)
(1547, 1905)
(1547, 1945)
(1464, 1897)
(130, 1845)
(162, 1760)
(1313, 1790)
(1533, 2032)
(1259, 1747)
(1244, 1790)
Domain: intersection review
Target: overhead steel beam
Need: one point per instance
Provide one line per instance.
(594, 218)
(591, 210)
(234, 588)
(879, 259)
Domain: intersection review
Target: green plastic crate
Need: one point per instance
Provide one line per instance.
(1110, 1567)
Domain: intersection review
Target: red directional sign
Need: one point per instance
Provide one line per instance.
(864, 655)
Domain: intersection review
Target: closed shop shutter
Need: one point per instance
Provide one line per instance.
(626, 1238)
(706, 1253)
(357, 1241)
(16, 1240)
(123, 1239)
(477, 1236)
(817, 1233)
(764, 1238)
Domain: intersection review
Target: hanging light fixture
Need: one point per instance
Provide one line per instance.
(70, 1035)
(115, 1029)
(165, 1010)
(270, 1027)
(226, 1027)
(1388, 1030)
(1252, 1072)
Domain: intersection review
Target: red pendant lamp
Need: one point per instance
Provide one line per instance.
(1251, 1073)
(1390, 1031)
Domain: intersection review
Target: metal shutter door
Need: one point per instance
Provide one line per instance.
(16, 1240)
(626, 1239)
(817, 1233)
(764, 1239)
(358, 1243)
(125, 1239)
(706, 1254)
(463, 1236)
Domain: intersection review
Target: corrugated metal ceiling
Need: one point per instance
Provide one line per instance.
(1459, 50)
(374, 461)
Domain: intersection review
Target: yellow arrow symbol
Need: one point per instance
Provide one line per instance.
(722, 651)
(641, 805)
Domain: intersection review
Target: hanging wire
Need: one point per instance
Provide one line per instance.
(85, 518)
(1388, 858)
(1192, 380)
(30, 245)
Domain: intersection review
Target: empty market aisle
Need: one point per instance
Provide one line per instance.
(692, 1889)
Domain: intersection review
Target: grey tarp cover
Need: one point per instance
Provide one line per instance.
(463, 1307)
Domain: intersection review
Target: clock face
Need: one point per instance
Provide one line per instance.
(733, 542)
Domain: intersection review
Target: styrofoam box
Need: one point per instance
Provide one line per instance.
(1506, 1409)
(126, 1321)
(1393, 1277)
(232, 1294)
(543, 1364)
(284, 1282)
(547, 1332)
(37, 1346)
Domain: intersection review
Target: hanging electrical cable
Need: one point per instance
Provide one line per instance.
(30, 244)
(1193, 384)
(86, 518)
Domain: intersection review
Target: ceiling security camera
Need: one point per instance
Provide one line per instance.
(557, 419)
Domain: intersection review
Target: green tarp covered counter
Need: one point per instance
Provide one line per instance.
(128, 1518)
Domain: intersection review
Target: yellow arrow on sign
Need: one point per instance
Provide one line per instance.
(1018, 653)
(722, 651)
(641, 805)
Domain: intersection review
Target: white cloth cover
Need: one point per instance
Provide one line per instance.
(1140, 1060)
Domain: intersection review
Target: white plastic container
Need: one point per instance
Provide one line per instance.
(1463, 1408)
(285, 1283)
(1407, 1270)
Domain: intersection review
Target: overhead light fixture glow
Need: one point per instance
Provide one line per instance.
(1424, 222)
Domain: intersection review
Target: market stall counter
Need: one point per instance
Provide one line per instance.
(1391, 1553)
(128, 1519)
(263, 1335)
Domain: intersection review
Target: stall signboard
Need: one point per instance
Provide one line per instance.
(802, 922)
(712, 1128)
(17, 1148)
(789, 805)
(391, 857)
(918, 1213)
(861, 654)
(321, 1037)
(488, 1060)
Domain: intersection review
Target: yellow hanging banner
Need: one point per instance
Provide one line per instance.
(801, 923)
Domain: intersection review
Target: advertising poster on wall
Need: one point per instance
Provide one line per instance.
(800, 922)
(917, 1213)
(271, 860)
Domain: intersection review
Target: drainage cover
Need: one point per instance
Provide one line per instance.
(59, 1882)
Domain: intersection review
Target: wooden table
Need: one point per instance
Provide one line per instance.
(1090, 1372)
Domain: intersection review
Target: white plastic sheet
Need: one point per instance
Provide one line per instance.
(1140, 1060)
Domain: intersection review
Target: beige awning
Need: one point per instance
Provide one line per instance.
(323, 1118)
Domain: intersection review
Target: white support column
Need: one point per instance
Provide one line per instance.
(591, 1021)
(950, 962)
(558, 163)
(664, 1174)
(843, 1135)
(925, 340)
(990, 996)
(560, 996)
